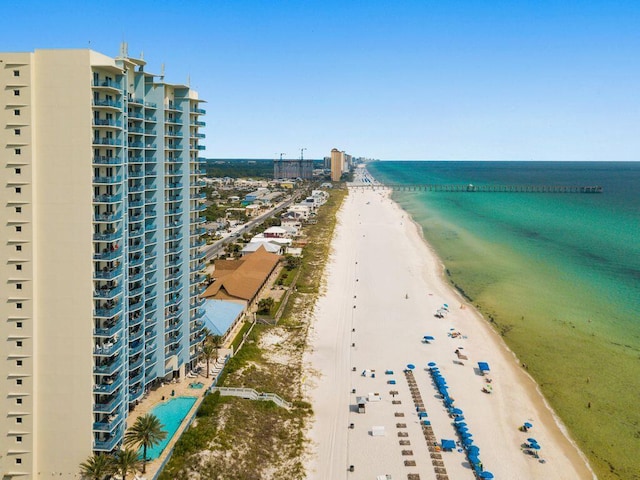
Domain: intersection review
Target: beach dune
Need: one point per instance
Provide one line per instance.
(383, 289)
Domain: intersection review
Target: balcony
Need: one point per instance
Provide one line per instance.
(107, 198)
(173, 106)
(174, 300)
(199, 135)
(198, 111)
(136, 173)
(174, 198)
(106, 122)
(136, 379)
(107, 312)
(107, 388)
(173, 328)
(107, 180)
(108, 369)
(107, 255)
(197, 196)
(135, 394)
(106, 445)
(197, 256)
(197, 339)
(107, 273)
(108, 406)
(136, 115)
(137, 363)
(172, 340)
(107, 236)
(107, 217)
(197, 304)
(136, 232)
(174, 185)
(137, 347)
(138, 145)
(109, 104)
(150, 361)
(107, 293)
(198, 231)
(136, 306)
(114, 142)
(107, 332)
(100, 160)
(198, 123)
(108, 425)
(136, 101)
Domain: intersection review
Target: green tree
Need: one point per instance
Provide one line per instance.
(265, 305)
(207, 353)
(96, 467)
(146, 432)
(126, 462)
(291, 262)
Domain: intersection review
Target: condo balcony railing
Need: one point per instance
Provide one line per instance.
(174, 185)
(107, 217)
(174, 301)
(197, 314)
(108, 386)
(135, 130)
(150, 119)
(171, 133)
(138, 173)
(107, 236)
(107, 122)
(135, 277)
(137, 203)
(114, 142)
(135, 100)
(107, 83)
(108, 312)
(199, 123)
(150, 105)
(150, 132)
(172, 106)
(107, 103)
(106, 445)
(199, 111)
(107, 274)
(107, 255)
(109, 406)
(136, 394)
(107, 198)
(175, 172)
(136, 115)
(197, 304)
(136, 306)
(135, 159)
(150, 361)
(151, 347)
(136, 378)
(173, 339)
(106, 293)
(108, 331)
(198, 231)
(108, 179)
(174, 198)
(109, 368)
(198, 243)
(199, 195)
(197, 256)
(136, 144)
(136, 232)
(174, 211)
(108, 425)
(199, 135)
(136, 347)
(134, 321)
(150, 146)
(100, 160)
(200, 147)
(136, 188)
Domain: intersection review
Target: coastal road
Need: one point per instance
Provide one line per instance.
(211, 251)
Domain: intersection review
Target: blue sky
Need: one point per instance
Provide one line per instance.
(403, 79)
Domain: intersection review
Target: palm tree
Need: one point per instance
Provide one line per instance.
(96, 467)
(207, 352)
(146, 432)
(126, 462)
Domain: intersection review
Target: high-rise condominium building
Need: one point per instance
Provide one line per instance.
(100, 271)
(337, 164)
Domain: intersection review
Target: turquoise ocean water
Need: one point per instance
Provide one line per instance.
(558, 274)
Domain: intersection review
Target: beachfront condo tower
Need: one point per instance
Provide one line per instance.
(337, 164)
(101, 270)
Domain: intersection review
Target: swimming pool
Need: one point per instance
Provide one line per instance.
(170, 413)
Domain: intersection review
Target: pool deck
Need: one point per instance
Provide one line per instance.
(181, 389)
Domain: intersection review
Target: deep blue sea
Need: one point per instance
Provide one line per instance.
(559, 274)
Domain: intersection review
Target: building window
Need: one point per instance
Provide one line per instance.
(18, 381)
(16, 73)
(18, 461)
(19, 342)
(18, 209)
(18, 171)
(18, 248)
(18, 401)
(19, 325)
(19, 305)
(16, 112)
(18, 363)
(18, 286)
(18, 439)
(17, 151)
(16, 93)
(18, 419)
(18, 228)
(16, 131)
(18, 267)
(18, 189)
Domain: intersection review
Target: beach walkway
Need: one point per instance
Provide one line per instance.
(383, 291)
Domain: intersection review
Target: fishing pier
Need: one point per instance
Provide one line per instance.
(456, 188)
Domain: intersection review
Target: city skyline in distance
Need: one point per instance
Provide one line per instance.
(458, 81)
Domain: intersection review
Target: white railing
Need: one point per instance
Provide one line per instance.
(251, 394)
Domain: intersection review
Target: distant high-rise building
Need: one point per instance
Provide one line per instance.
(101, 268)
(337, 164)
(293, 169)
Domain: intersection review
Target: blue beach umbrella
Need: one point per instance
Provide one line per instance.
(431, 364)
(485, 474)
(456, 411)
(535, 446)
(474, 460)
(528, 425)
(532, 440)
(459, 419)
(473, 450)
(411, 366)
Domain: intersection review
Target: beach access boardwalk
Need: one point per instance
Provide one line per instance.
(469, 188)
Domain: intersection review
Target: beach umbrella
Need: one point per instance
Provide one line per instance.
(532, 440)
(459, 419)
(456, 411)
(535, 446)
(411, 366)
(428, 338)
(473, 450)
(528, 425)
(431, 364)
(460, 425)
(485, 474)
(467, 442)
(474, 459)
(446, 305)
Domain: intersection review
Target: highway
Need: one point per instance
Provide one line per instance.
(212, 250)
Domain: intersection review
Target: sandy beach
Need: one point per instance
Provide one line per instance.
(383, 288)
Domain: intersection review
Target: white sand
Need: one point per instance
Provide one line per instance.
(378, 258)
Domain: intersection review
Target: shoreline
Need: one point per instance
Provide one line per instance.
(325, 345)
